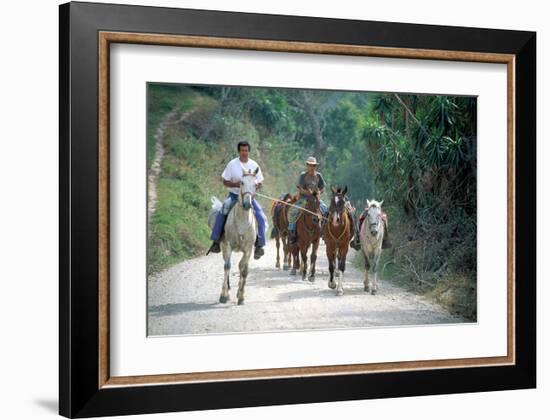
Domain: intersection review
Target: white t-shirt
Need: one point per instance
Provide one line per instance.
(234, 172)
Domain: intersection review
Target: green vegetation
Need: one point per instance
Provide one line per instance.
(415, 152)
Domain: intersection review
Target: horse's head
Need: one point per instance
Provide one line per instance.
(337, 205)
(248, 188)
(374, 216)
(313, 203)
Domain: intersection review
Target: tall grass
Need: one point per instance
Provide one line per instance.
(191, 169)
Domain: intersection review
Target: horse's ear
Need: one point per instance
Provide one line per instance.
(368, 203)
(381, 203)
(333, 190)
(257, 170)
(345, 190)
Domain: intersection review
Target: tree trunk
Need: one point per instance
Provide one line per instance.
(315, 125)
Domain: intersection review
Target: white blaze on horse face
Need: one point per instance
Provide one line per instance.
(248, 189)
(373, 216)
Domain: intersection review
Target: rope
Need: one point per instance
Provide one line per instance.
(291, 205)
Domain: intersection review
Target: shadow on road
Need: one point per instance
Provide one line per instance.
(178, 308)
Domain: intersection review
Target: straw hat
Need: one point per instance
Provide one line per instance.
(312, 161)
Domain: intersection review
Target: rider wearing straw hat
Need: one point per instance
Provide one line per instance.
(313, 180)
(308, 180)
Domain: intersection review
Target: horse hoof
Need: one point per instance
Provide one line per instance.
(223, 299)
(311, 279)
(339, 292)
(240, 302)
(285, 267)
(373, 292)
(367, 289)
(332, 285)
(277, 265)
(293, 272)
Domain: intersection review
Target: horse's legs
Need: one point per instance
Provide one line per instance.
(283, 242)
(294, 251)
(314, 247)
(277, 244)
(286, 252)
(367, 266)
(224, 297)
(342, 253)
(331, 254)
(243, 268)
(375, 269)
(303, 251)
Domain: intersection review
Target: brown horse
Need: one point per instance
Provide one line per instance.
(337, 235)
(308, 232)
(279, 216)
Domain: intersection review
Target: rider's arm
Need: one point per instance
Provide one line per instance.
(321, 184)
(301, 182)
(230, 184)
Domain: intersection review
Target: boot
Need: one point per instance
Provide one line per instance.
(215, 247)
(386, 242)
(258, 250)
(292, 239)
(355, 242)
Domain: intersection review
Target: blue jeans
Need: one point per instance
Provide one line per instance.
(228, 204)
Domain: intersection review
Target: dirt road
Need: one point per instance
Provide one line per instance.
(184, 300)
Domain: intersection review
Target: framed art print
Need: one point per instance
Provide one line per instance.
(283, 209)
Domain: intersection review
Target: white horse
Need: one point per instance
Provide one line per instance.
(372, 236)
(239, 234)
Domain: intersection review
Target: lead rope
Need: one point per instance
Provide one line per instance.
(292, 205)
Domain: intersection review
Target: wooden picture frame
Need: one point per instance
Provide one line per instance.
(86, 32)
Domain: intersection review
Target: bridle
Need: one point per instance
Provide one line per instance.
(243, 194)
(376, 223)
(341, 212)
(314, 200)
(310, 198)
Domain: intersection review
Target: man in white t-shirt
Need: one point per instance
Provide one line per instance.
(231, 178)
